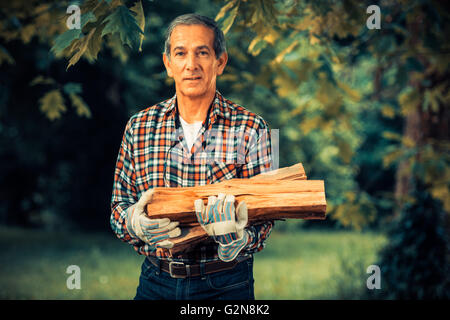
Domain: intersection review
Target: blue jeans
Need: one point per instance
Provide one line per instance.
(233, 284)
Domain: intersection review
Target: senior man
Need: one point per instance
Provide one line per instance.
(197, 137)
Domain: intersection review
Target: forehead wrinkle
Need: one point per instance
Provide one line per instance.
(178, 36)
(196, 48)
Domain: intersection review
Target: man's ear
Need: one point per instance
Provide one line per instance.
(167, 65)
(222, 62)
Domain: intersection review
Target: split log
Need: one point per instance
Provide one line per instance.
(193, 235)
(189, 236)
(295, 172)
(265, 199)
(299, 199)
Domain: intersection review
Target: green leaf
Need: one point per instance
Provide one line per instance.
(99, 8)
(42, 80)
(387, 111)
(117, 49)
(64, 40)
(256, 46)
(225, 9)
(81, 107)
(52, 104)
(81, 47)
(408, 142)
(123, 22)
(353, 94)
(86, 18)
(392, 136)
(279, 58)
(72, 88)
(94, 44)
(442, 193)
(432, 97)
(140, 18)
(392, 157)
(309, 124)
(227, 15)
(285, 83)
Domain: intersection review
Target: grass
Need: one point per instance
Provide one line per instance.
(315, 264)
(294, 265)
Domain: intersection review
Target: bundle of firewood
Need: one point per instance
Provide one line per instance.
(281, 194)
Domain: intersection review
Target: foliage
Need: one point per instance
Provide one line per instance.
(59, 158)
(415, 263)
(365, 110)
(100, 19)
(52, 103)
(343, 94)
(322, 107)
(111, 19)
(311, 51)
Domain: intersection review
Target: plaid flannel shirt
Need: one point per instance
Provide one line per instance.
(232, 143)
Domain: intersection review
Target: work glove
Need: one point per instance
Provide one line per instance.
(225, 223)
(154, 232)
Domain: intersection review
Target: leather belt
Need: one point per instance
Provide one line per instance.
(183, 270)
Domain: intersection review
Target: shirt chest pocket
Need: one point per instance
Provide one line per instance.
(219, 171)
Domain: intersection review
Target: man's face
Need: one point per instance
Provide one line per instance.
(193, 64)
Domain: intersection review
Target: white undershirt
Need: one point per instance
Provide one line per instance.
(191, 131)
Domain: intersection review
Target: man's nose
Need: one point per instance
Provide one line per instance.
(191, 63)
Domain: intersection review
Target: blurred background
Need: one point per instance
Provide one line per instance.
(360, 97)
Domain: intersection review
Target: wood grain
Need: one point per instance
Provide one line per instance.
(266, 199)
(294, 172)
(193, 233)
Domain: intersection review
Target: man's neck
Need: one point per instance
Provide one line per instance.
(194, 109)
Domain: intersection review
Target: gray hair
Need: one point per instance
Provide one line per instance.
(196, 19)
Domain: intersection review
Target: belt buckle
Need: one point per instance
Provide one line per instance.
(170, 269)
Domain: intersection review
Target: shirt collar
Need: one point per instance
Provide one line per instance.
(220, 107)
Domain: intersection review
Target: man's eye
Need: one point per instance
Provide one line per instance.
(203, 53)
(179, 53)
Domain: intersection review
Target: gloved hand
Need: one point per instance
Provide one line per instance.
(226, 224)
(154, 232)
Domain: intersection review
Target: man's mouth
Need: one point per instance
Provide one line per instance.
(193, 78)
